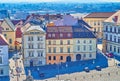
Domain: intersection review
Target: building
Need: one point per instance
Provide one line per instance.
(84, 42)
(59, 44)
(9, 32)
(95, 20)
(4, 65)
(34, 53)
(111, 34)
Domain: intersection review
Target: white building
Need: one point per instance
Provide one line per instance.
(34, 46)
(4, 65)
(111, 36)
(85, 45)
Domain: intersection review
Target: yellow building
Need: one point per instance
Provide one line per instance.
(95, 20)
(59, 44)
(8, 30)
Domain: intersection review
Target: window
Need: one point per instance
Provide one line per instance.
(53, 35)
(106, 37)
(78, 41)
(90, 55)
(61, 42)
(118, 49)
(61, 50)
(54, 50)
(94, 23)
(49, 35)
(49, 58)
(49, 42)
(119, 30)
(5, 35)
(68, 42)
(31, 54)
(115, 29)
(61, 35)
(49, 50)
(84, 55)
(90, 47)
(69, 35)
(118, 39)
(30, 46)
(78, 48)
(30, 38)
(114, 48)
(68, 49)
(98, 23)
(84, 47)
(90, 41)
(114, 38)
(106, 28)
(61, 57)
(40, 53)
(110, 47)
(10, 41)
(40, 46)
(54, 42)
(40, 38)
(0, 60)
(54, 57)
(110, 37)
(7, 28)
(84, 41)
(110, 29)
(1, 71)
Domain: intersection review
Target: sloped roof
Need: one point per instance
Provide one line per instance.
(99, 15)
(81, 31)
(52, 29)
(115, 18)
(18, 32)
(10, 23)
(3, 41)
(65, 29)
(35, 27)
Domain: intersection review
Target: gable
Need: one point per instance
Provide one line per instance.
(6, 26)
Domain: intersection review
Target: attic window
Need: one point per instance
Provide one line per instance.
(7, 28)
(69, 34)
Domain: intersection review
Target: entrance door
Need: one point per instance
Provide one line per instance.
(68, 59)
(31, 62)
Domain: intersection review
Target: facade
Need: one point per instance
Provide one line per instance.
(59, 44)
(111, 37)
(96, 19)
(4, 65)
(84, 42)
(34, 53)
(8, 30)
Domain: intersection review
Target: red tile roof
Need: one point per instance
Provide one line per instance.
(3, 41)
(99, 15)
(18, 32)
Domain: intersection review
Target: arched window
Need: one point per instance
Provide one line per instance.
(0, 60)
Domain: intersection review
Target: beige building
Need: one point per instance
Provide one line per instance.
(95, 20)
(8, 30)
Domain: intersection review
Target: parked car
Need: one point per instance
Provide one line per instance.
(42, 75)
(98, 68)
(110, 55)
(86, 69)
